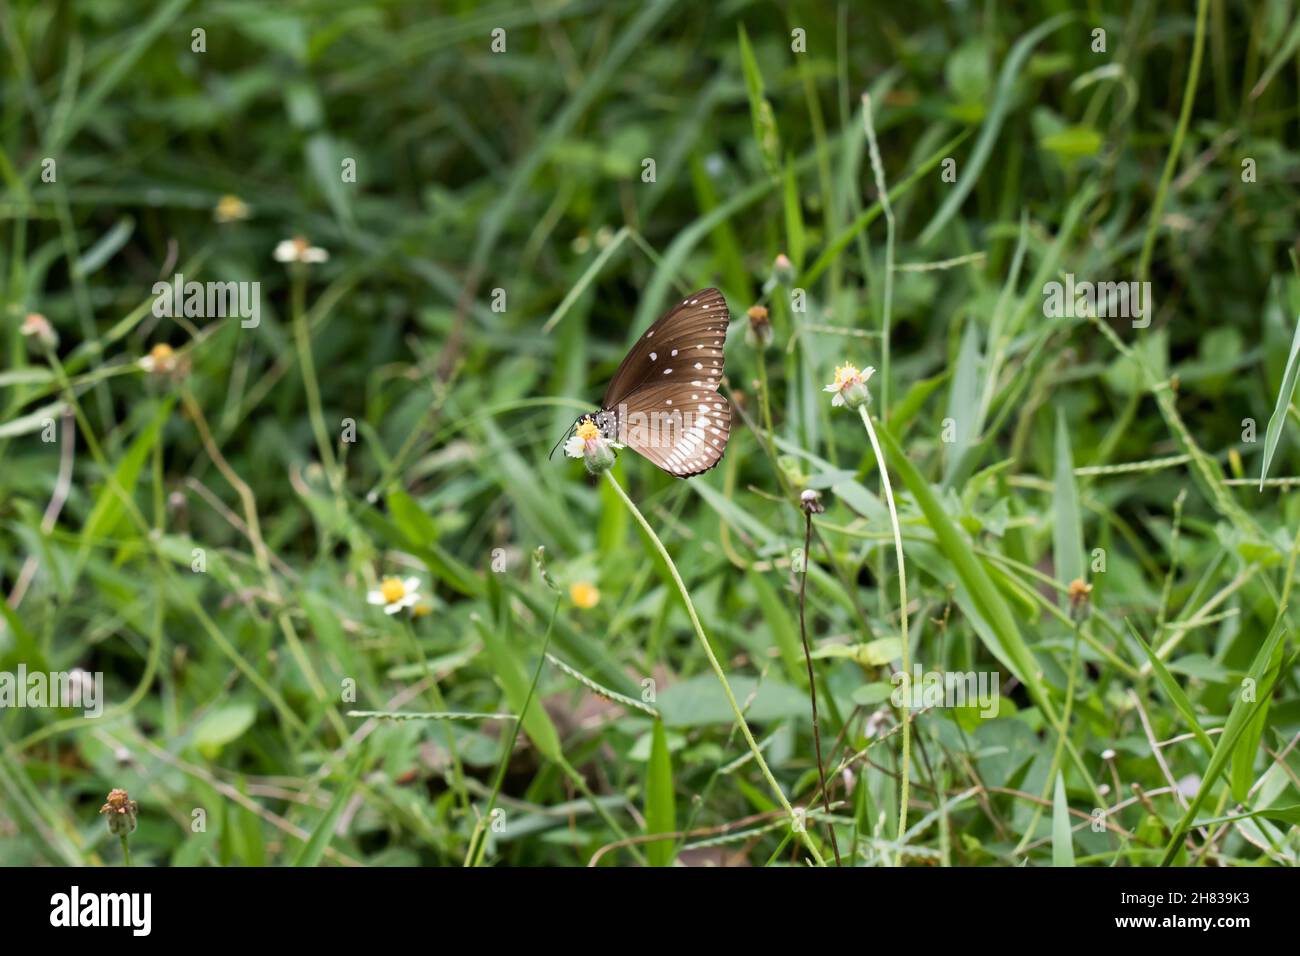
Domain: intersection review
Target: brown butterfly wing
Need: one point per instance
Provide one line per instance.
(680, 427)
(684, 344)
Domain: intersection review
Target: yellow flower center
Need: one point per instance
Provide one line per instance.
(588, 430)
(845, 374)
(231, 206)
(584, 594)
(161, 352)
(392, 589)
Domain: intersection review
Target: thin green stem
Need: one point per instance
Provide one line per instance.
(1062, 731)
(126, 849)
(795, 820)
(302, 339)
(902, 613)
(1171, 162)
(478, 841)
(887, 306)
(440, 704)
(812, 684)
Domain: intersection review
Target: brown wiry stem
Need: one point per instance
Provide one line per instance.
(812, 683)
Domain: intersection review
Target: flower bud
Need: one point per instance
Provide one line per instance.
(38, 327)
(121, 811)
(1079, 592)
(599, 456)
(165, 364)
(810, 502)
(758, 335)
(783, 269)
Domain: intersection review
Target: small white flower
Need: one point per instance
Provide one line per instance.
(163, 362)
(299, 249)
(574, 447)
(589, 444)
(395, 594)
(850, 386)
(160, 359)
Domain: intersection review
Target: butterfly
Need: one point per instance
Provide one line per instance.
(663, 400)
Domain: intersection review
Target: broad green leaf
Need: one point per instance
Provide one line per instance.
(1073, 142)
(871, 654)
(660, 808)
(869, 695)
(1062, 838)
(700, 700)
(416, 526)
(108, 512)
(222, 726)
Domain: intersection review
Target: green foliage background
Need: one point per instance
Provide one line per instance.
(1077, 441)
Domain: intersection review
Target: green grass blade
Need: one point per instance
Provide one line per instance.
(660, 808)
(1067, 529)
(766, 135)
(311, 852)
(1062, 838)
(1173, 691)
(1241, 714)
(1004, 93)
(1277, 421)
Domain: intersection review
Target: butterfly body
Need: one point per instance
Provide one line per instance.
(663, 401)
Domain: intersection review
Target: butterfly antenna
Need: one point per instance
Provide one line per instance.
(560, 442)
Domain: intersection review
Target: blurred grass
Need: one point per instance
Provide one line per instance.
(1083, 447)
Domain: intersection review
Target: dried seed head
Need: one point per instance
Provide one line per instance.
(1079, 598)
(759, 333)
(811, 503)
(121, 810)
